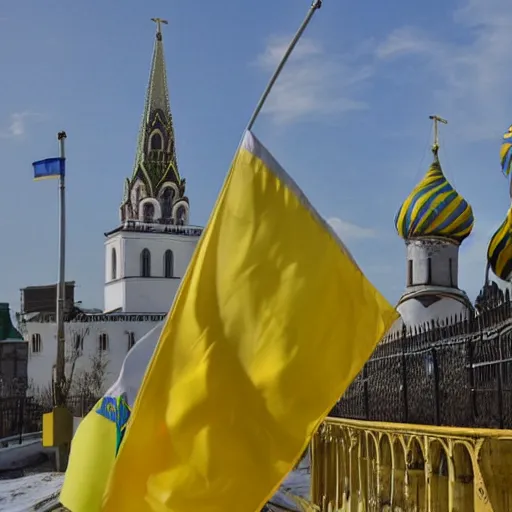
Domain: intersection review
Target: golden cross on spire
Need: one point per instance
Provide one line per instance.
(437, 120)
(159, 22)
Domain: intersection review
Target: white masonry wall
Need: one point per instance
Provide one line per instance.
(40, 363)
(129, 291)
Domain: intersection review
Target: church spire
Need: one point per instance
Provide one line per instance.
(156, 149)
(155, 174)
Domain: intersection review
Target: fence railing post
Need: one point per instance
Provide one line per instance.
(500, 379)
(471, 379)
(365, 393)
(435, 373)
(20, 418)
(404, 382)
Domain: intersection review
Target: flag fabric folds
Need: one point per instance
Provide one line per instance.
(506, 152)
(272, 322)
(100, 433)
(49, 168)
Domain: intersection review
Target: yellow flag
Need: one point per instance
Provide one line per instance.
(91, 460)
(95, 443)
(272, 322)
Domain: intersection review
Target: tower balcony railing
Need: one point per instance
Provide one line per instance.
(162, 227)
(372, 466)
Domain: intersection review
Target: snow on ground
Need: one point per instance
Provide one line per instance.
(297, 483)
(21, 494)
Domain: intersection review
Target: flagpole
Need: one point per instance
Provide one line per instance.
(314, 7)
(61, 286)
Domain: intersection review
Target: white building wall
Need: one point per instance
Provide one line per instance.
(40, 364)
(130, 292)
(414, 313)
(153, 295)
(444, 262)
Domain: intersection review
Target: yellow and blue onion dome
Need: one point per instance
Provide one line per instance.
(506, 152)
(499, 252)
(435, 209)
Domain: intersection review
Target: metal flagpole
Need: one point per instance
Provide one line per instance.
(60, 369)
(314, 7)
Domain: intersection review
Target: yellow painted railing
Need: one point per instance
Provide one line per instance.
(362, 466)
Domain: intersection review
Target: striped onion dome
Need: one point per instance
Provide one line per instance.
(499, 252)
(434, 209)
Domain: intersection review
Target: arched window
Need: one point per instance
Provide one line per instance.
(168, 263)
(181, 216)
(37, 344)
(148, 212)
(156, 141)
(103, 342)
(114, 264)
(145, 263)
(167, 198)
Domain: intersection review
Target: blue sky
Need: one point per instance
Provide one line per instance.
(348, 119)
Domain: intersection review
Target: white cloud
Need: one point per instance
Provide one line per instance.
(313, 82)
(470, 80)
(348, 231)
(408, 41)
(466, 69)
(17, 124)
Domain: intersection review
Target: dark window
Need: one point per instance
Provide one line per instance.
(168, 263)
(167, 198)
(145, 263)
(78, 343)
(37, 344)
(181, 216)
(156, 141)
(131, 340)
(148, 212)
(429, 270)
(103, 342)
(114, 264)
(409, 273)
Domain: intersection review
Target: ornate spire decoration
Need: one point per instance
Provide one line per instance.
(156, 191)
(434, 209)
(435, 145)
(156, 150)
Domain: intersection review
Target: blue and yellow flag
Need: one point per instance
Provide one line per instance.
(49, 168)
(272, 322)
(506, 152)
(99, 435)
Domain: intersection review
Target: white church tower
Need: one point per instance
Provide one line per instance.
(434, 221)
(147, 255)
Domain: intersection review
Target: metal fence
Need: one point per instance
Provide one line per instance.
(457, 373)
(24, 414)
